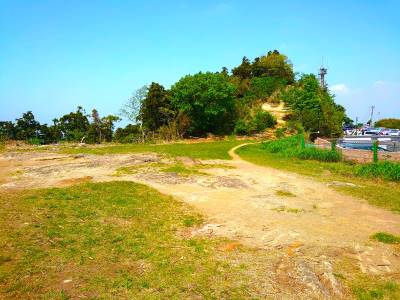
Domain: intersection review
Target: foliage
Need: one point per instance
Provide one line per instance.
(129, 134)
(131, 108)
(208, 101)
(313, 107)
(26, 127)
(256, 122)
(384, 169)
(264, 87)
(74, 125)
(197, 105)
(388, 123)
(155, 110)
(290, 147)
(386, 238)
(273, 64)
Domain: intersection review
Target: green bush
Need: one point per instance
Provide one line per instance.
(260, 121)
(34, 141)
(311, 153)
(385, 169)
(290, 147)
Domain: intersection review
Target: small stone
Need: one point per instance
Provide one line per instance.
(67, 280)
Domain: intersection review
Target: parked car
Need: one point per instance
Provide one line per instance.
(372, 131)
(384, 131)
(394, 132)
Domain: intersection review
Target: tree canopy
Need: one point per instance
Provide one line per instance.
(208, 101)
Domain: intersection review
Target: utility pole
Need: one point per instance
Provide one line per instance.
(372, 115)
(356, 122)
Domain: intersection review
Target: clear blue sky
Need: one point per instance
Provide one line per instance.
(56, 55)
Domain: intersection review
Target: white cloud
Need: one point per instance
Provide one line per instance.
(384, 95)
(340, 88)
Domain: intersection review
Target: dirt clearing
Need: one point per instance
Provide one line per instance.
(314, 227)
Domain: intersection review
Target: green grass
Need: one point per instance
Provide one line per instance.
(202, 150)
(290, 147)
(386, 238)
(367, 290)
(376, 191)
(385, 169)
(114, 240)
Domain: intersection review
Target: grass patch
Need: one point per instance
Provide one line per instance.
(133, 169)
(182, 170)
(385, 169)
(290, 147)
(365, 290)
(113, 240)
(386, 238)
(284, 193)
(204, 150)
(376, 191)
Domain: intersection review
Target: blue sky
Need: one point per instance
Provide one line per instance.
(56, 55)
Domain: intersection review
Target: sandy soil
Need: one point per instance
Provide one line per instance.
(312, 226)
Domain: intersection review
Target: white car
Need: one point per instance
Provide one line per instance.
(394, 132)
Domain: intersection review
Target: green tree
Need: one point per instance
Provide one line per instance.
(74, 125)
(244, 70)
(388, 123)
(155, 110)
(313, 107)
(26, 127)
(273, 64)
(207, 99)
(7, 130)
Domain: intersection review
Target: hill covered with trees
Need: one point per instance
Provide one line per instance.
(197, 105)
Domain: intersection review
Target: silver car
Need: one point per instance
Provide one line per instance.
(394, 132)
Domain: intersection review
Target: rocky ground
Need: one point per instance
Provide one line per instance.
(309, 229)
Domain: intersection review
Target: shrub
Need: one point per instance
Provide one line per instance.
(34, 141)
(241, 128)
(312, 153)
(280, 132)
(290, 147)
(385, 169)
(259, 122)
(262, 120)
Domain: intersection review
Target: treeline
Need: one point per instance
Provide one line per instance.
(204, 103)
(73, 127)
(388, 123)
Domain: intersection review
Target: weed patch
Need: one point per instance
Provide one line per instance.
(284, 193)
(386, 238)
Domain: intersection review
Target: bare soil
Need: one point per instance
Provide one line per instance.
(313, 227)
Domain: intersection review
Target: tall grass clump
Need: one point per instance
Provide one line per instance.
(385, 169)
(291, 147)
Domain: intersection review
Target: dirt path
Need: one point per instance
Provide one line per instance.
(311, 225)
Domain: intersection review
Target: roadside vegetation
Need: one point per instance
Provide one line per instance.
(377, 183)
(114, 240)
